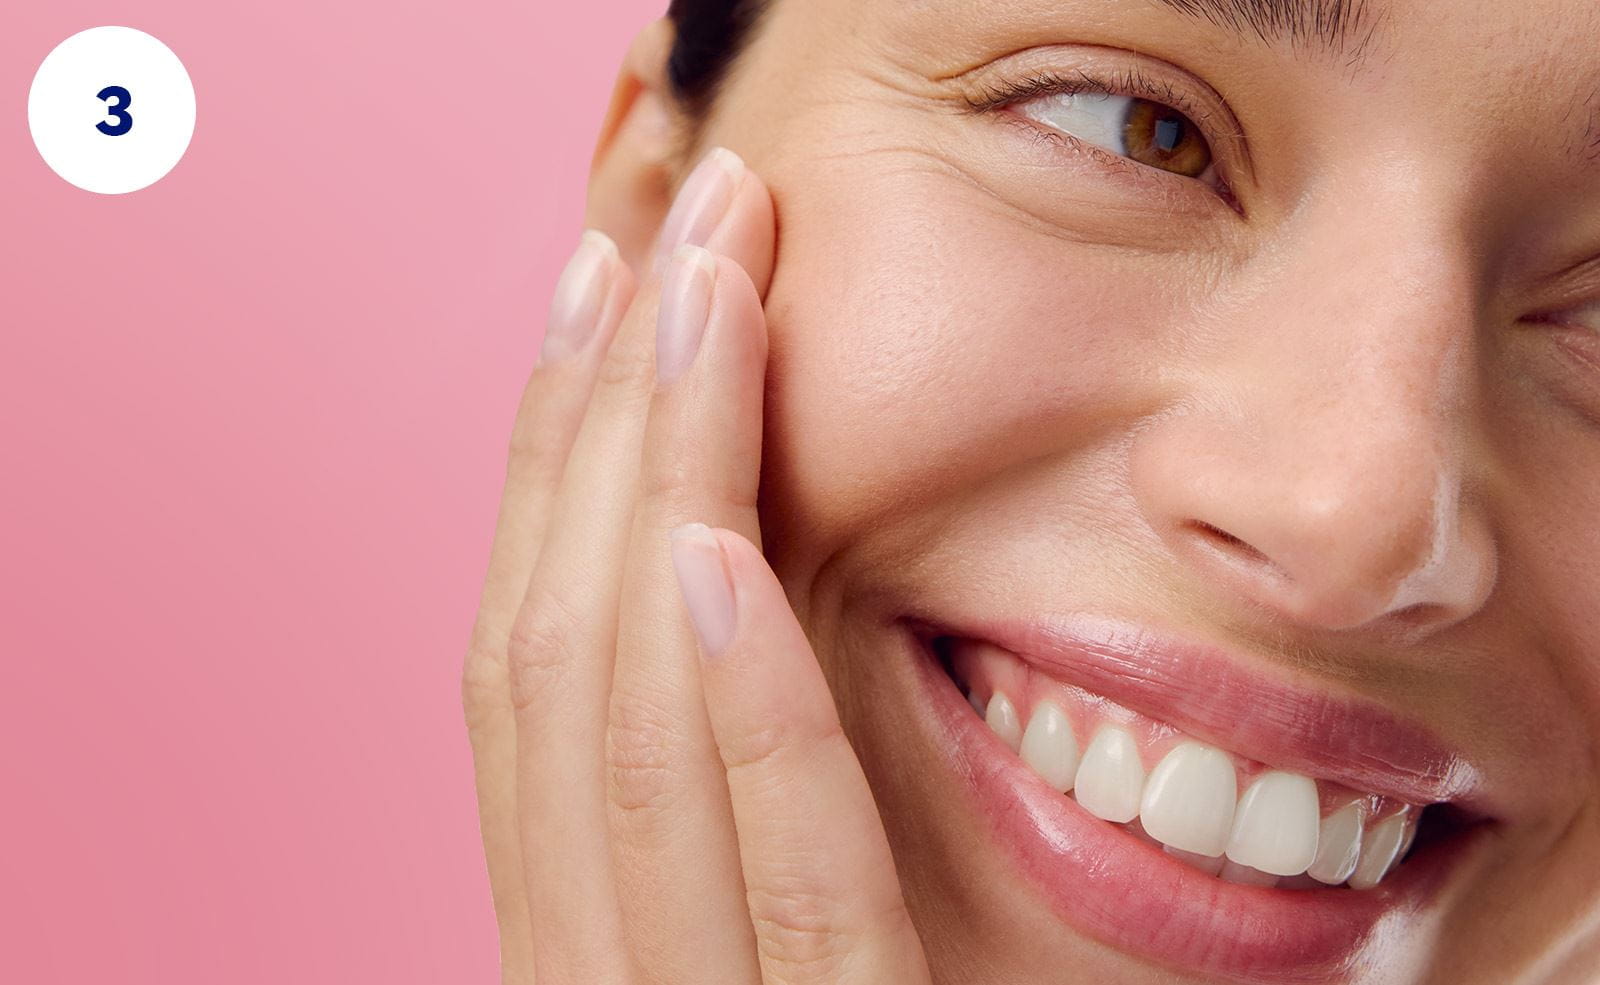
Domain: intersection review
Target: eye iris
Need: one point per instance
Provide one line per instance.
(1162, 137)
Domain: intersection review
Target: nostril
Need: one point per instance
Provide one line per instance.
(1420, 615)
(1222, 538)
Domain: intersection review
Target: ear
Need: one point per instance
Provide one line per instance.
(639, 150)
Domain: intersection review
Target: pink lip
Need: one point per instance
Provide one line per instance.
(1200, 689)
(1130, 895)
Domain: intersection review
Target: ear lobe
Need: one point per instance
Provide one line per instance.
(638, 150)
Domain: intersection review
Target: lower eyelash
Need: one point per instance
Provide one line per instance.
(1049, 135)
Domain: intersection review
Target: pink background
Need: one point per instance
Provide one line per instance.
(251, 433)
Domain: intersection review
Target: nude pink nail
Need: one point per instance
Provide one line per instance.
(580, 294)
(685, 306)
(706, 586)
(701, 203)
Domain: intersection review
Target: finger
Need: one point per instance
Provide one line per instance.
(560, 666)
(733, 219)
(673, 836)
(564, 640)
(590, 298)
(819, 878)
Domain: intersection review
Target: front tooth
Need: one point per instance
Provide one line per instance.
(1382, 845)
(1050, 747)
(1412, 821)
(1136, 829)
(1275, 827)
(1244, 875)
(1189, 800)
(1338, 845)
(1002, 718)
(1110, 778)
(1205, 863)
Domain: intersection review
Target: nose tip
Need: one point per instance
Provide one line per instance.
(1328, 541)
(1314, 444)
(1337, 564)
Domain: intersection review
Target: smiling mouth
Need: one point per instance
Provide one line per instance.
(1173, 803)
(1227, 816)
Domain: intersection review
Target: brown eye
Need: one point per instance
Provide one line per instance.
(1142, 130)
(1164, 138)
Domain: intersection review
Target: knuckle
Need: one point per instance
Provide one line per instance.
(759, 751)
(541, 646)
(798, 932)
(668, 477)
(484, 683)
(643, 774)
(536, 450)
(673, 478)
(628, 365)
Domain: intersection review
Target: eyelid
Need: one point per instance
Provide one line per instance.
(1092, 67)
(1585, 316)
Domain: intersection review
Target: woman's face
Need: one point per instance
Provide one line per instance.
(1270, 422)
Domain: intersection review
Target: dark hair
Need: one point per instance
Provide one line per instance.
(710, 35)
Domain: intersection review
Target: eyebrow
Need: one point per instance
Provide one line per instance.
(1328, 27)
(1325, 26)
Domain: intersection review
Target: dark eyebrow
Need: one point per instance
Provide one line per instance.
(1325, 26)
(1335, 28)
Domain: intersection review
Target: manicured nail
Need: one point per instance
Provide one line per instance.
(701, 203)
(706, 585)
(580, 294)
(685, 306)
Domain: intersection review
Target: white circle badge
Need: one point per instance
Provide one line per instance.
(111, 110)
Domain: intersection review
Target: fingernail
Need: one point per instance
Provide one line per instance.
(701, 203)
(706, 585)
(685, 306)
(579, 296)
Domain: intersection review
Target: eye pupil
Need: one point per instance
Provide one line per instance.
(1168, 132)
(1162, 137)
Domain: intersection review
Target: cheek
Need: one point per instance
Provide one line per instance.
(925, 338)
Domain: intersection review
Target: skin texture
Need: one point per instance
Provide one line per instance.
(1353, 432)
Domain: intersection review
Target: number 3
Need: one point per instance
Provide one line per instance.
(117, 110)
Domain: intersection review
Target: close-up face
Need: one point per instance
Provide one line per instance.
(1183, 451)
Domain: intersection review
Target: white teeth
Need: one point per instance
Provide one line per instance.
(1381, 848)
(1246, 876)
(1338, 845)
(1270, 835)
(1411, 835)
(1189, 800)
(1002, 718)
(1275, 827)
(1110, 778)
(1050, 747)
(1136, 829)
(1205, 863)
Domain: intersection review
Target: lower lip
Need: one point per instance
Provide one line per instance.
(1130, 895)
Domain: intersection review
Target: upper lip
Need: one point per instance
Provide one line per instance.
(1222, 697)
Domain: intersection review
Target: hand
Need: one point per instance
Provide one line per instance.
(665, 791)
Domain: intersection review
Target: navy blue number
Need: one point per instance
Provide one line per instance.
(117, 111)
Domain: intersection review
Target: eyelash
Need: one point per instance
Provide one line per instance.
(1127, 82)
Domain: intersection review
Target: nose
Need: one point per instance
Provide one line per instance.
(1317, 461)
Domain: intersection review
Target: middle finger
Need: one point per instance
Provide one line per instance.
(674, 842)
(562, 648)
